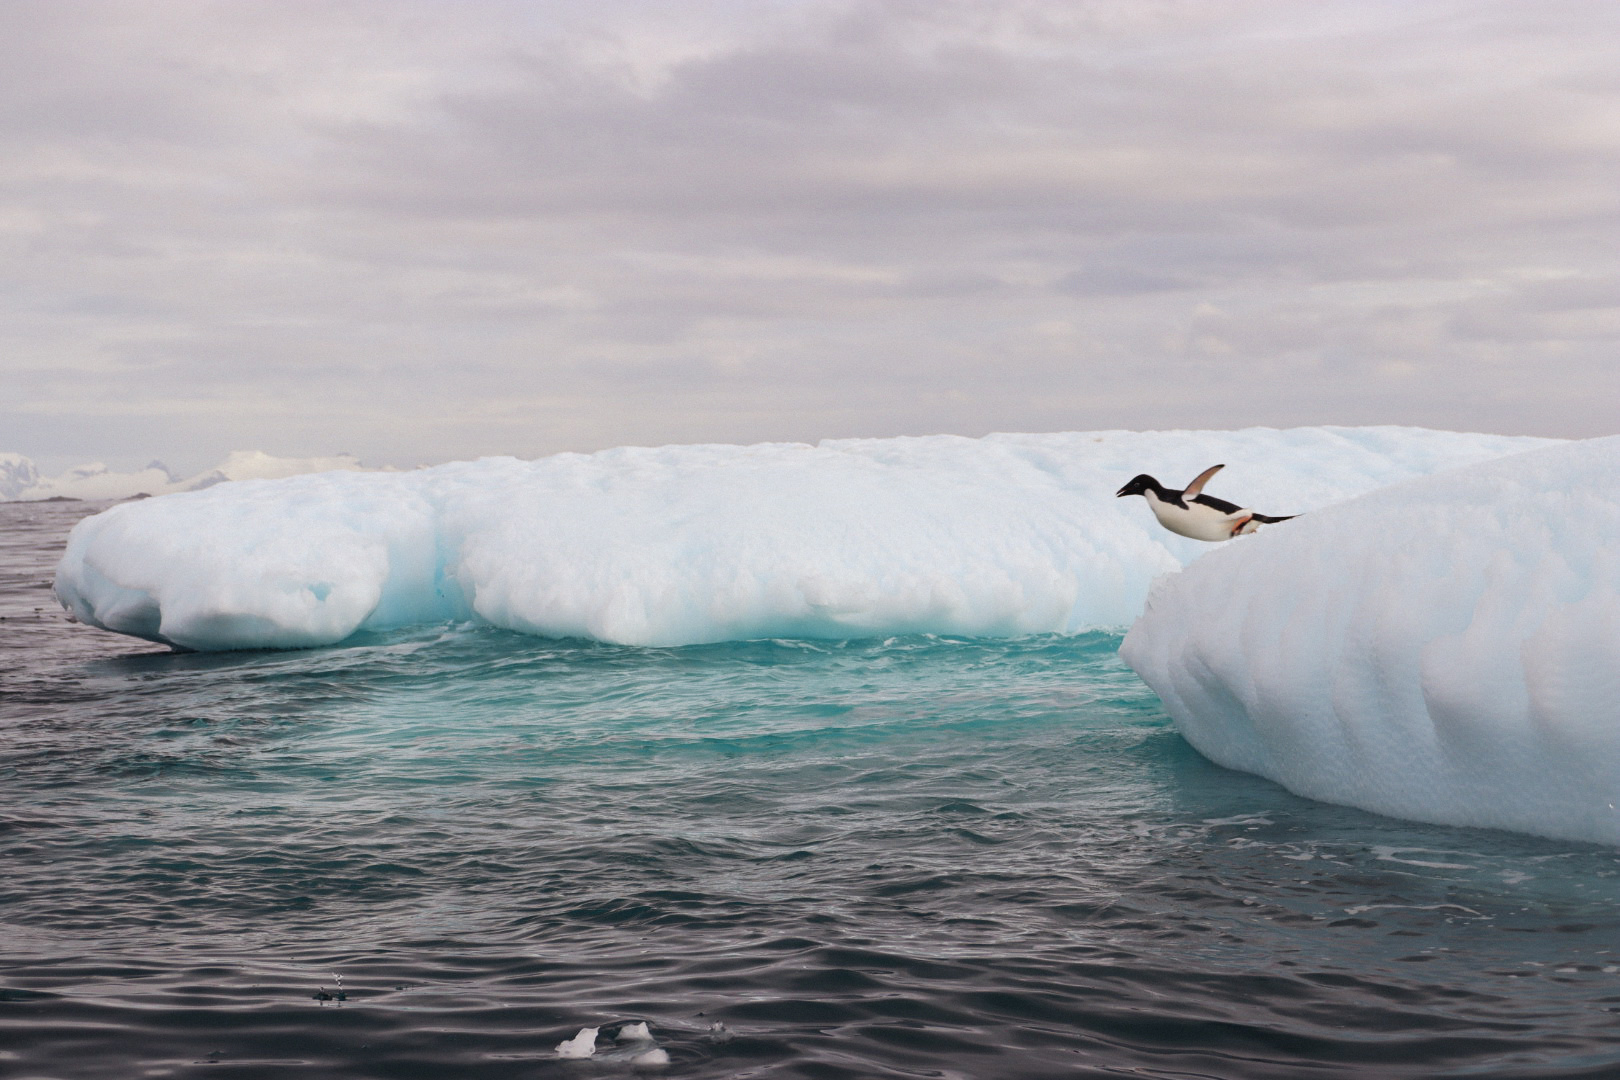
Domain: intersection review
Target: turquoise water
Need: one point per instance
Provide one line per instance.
(907, 858)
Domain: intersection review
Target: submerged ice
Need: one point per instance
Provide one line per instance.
(1005, 535)
(1446, 650)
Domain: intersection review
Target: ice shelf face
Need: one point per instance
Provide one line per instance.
(1006, 535)
(1444, 650)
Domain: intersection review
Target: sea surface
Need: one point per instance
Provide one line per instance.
(916, 857)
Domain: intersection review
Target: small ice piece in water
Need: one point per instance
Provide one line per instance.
(634, 1033)
(650, 1058)
(719, 1033)
(582, 1045)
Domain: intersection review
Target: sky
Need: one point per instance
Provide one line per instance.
(422, 231)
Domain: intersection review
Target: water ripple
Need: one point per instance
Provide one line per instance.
(906, 858)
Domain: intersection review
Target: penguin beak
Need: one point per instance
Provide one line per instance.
(1122, 492)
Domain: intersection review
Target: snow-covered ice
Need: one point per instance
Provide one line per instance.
(1005, 535)
(1445, 650)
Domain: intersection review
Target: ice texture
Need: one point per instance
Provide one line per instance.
(1444, 650)
(999, 536)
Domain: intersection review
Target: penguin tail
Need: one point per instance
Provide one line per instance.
(1267, 520)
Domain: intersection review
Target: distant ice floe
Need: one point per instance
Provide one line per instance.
(1445, 649)
(1000, 536)
(21, 481)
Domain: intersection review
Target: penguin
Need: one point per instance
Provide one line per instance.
(1193, 514)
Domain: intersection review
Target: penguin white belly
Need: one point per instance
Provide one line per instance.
(1199, 522)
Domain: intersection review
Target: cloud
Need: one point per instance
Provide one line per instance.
(418, 231)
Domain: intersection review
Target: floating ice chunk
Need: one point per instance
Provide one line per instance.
(651, 1058)
(1446, 650)
(260, 563)
(582, 1045)
(1001, 536)
(634, 1033)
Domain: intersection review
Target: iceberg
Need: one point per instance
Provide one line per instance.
(21, 480)
(17, 475)
(1000, 536)
(1444, 650)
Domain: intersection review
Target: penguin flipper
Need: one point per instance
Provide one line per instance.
(1267, 520)
(1200, 480)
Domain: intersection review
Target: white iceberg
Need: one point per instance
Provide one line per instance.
(1006, 535)
(17, 475)
(21, 480)
(1444, 650)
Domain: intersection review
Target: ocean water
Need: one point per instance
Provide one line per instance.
(916, 857)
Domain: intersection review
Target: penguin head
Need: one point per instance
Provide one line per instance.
(1138, 485)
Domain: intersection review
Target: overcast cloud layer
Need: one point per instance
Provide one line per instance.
(435, 230)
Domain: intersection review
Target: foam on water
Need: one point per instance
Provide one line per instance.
(1001, 536)
(1446, 649)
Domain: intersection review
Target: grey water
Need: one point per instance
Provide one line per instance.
(916, 857)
